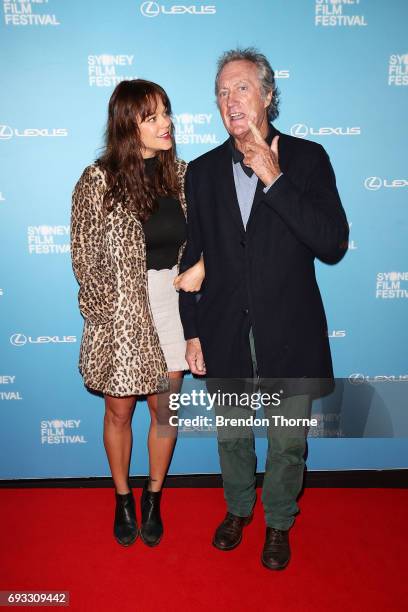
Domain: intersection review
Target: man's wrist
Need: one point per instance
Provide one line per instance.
(193, 340)
(272, 182)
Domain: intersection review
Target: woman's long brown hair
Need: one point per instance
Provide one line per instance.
(122, 157)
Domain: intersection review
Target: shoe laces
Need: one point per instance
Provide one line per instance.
(275, 537)
(231, 523)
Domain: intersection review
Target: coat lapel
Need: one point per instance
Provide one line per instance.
(260, 186)
(181, 167)
(227, 191)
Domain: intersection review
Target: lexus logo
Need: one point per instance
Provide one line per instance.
(150, 9)
(300, 130)
(373, 183)
(21, 339)
(18, 339)
(357, 379)
(5, 132)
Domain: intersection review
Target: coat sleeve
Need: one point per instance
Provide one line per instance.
(90, 262)
(315, 215)
(192, 253)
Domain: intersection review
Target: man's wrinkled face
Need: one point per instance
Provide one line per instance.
(240, 98)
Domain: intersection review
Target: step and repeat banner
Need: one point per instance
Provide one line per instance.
(342, 69)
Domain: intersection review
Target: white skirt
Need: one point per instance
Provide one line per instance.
(164, 303)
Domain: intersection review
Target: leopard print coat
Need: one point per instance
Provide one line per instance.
(120, 352)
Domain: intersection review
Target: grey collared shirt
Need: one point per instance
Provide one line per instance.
(245, 187)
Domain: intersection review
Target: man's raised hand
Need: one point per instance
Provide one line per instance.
(263, 160)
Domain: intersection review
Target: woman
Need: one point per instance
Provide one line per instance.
(128, 231)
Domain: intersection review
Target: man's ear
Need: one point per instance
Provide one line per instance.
(268, 99)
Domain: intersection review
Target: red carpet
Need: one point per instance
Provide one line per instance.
(348, 547)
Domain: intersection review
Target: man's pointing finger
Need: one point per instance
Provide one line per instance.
(257, 134)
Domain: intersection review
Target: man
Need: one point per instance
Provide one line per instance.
(261, 207)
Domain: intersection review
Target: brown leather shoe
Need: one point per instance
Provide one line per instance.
(276, 550)
(229, 534)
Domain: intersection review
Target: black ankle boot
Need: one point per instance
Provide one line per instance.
(125, 526)
(151, 530)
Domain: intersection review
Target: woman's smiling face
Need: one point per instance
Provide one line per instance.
(155, 131)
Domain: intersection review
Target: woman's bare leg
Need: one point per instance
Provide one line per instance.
(162, 437)
(117, 438)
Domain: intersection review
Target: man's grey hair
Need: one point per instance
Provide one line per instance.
(265, 73)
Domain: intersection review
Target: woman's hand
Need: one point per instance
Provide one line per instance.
(191, 279)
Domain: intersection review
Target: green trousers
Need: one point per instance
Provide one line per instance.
(285, 462)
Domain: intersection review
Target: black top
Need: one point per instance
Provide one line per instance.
(165, 230)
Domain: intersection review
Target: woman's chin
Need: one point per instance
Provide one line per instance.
(166, 146)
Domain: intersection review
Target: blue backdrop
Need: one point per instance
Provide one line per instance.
(342, 68)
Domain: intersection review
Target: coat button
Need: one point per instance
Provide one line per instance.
(243, 243)
(245, 311)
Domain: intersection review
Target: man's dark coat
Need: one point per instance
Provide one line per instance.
(263, 276)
